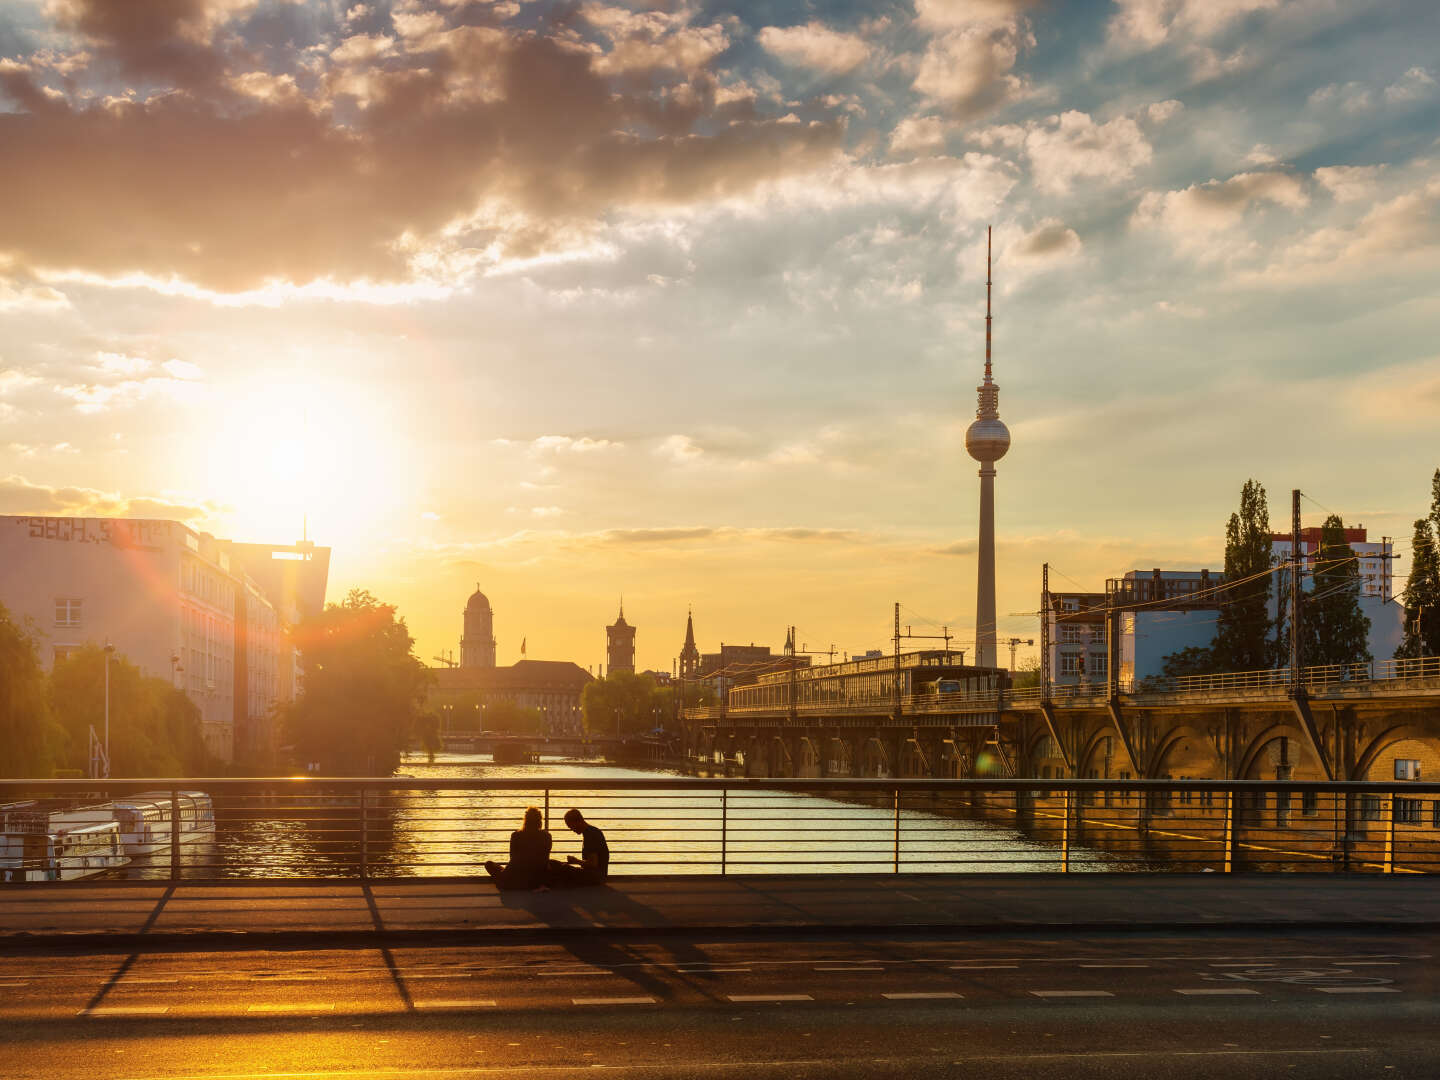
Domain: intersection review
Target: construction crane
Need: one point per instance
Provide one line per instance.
(1014, 643)
(448, 660)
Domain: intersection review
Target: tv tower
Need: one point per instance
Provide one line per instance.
(987, 439)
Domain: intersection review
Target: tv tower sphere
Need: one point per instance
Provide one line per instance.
(987, 439)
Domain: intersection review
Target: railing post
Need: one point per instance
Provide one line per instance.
(547, 809)
(724, 826)
(1390, 834)
(174, 835)
(1065, 833)
(897, 830)
(1229, 831)
(364, 835)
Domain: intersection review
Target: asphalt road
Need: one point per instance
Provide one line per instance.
(1123, 1005)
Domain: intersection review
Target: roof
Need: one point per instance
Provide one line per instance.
(477, 600)
(526, 675)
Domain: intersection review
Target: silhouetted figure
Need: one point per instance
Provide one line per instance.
(592, 867)
(529, 856)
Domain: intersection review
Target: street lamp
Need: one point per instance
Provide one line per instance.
(109, 653)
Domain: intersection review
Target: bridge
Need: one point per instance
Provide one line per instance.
(1335, 722)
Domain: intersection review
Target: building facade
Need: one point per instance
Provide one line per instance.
(460, 695)
(477, 645)
(1376, 560)
(689, 652)
(620, 645)
(178, 604)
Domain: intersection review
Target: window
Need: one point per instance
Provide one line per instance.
(1435, 814)
(1282, 809)
(1309, 803)
(1070, 632)
(1369, 807)
(1405, 768)
(1071, 663)
(1097, 665)
(1097, 634)
(1407, 811)
(67, 612)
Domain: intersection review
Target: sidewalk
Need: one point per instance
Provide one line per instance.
(113, 916)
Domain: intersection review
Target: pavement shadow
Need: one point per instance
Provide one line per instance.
(656, 965)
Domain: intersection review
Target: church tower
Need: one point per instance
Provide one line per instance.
(620, 645)
(477, 646)
(689, 654)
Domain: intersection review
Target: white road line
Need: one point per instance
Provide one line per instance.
(467, 1003)
(1372, 963)
(711, 971)
(1216, 991)
(289, 1008)
(1358, 989)
(1071, 993)
(125, 1010)
(614, 1001)
(922, 995)
(1247, 964)
(742, 998)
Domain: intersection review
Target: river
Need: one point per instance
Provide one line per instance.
(436, 833)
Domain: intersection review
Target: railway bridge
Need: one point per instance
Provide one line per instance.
(1378, 721)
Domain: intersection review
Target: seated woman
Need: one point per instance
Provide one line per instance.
(529, 856)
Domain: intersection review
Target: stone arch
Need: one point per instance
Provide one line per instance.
(914, 760)
(875, 759)
(1262, 754)
(1185, 751)
(1411, 740)
(1044, 756)
(807, 758)
(954, 760)
(1103, 755)
(842, 757)
(782, 763)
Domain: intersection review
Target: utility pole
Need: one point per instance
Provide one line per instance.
(1045, 633)
(897, 660)
(790, 648)
(1295, 591)
(109, 652)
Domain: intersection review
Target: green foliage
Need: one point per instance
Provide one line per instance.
(1243, 632)
(1196, 660)
(513, 719)
(623, 703)
(1335, 630)
(1422, 585)
(363, 692)
(1027, 674)
(33, 743)
(155, 730)
(463, 712)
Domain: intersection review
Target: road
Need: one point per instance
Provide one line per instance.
(1302, 1004)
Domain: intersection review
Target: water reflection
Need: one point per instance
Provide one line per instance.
(440, 833)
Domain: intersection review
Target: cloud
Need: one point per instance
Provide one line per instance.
(569, 444)
(1152, 22)
(1415, 84)
(815, 45)
(1051, 239)
(1349, 183)
(1200, 212)
(918, 134)
(473, 147)
(969, 71)
(1071, 146)
(19, 496)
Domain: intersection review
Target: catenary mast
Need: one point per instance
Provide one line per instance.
(987, 439)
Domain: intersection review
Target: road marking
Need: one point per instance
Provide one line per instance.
(1216, 991)
(288, 1008)
(1114, 965)
(1372, 963)
(125, 1010)
(468, 1003)
(1245, 965)
(584, 971)
(922, 996)
(127, 981)
(1358, 989)
(614, 1001)
(741, 998)
(1071, 993)
(852, 967)
(712, 971)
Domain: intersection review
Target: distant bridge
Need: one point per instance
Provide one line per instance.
(1336, 722)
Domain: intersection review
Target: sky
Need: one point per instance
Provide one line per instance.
(685, 302)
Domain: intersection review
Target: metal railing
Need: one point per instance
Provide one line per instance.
(266, 830)
(1378, 676)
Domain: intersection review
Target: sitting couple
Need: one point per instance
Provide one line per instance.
(530, 865)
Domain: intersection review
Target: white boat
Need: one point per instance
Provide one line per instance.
(145, 824)
(68, 852)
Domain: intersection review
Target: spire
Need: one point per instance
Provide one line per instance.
(689, 628)
(987, 305)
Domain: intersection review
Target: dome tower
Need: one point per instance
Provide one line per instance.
(987, 440)
(477, 646)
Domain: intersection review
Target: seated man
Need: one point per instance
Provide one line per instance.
(529, 854)
(592, 867)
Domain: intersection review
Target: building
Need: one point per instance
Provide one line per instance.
(986, 440)
(689, 652)
(477, 644)
(620, 645)
(462, 694)
(209, 616)
(740, 665)
(1376, 559)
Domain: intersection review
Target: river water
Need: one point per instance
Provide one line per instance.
(442, 833)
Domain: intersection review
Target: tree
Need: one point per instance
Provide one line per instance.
(1196, 660)
(31, 739)
(513, 719)
(1243, 632)
(622, 703)
(1422, 586)
(1027, 674)
(1334, 630)
(364, 688)
(155, 730)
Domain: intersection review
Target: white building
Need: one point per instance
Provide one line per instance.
(172, 601)
(1377, 573)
